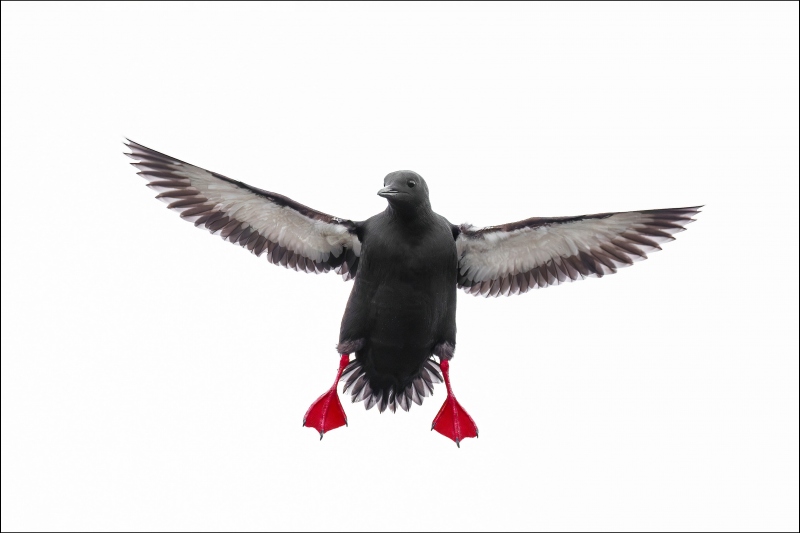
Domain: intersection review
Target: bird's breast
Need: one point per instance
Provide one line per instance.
(415, 261)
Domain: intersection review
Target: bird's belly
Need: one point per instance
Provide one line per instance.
(403, 316)
(402, 333)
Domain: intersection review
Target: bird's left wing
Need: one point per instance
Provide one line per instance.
(539, 252)
(290, 233)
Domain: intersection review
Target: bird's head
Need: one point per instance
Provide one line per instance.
(405, 190)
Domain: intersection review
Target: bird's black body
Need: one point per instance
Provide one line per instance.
(403, 303)
(402, 307)
(407, 263)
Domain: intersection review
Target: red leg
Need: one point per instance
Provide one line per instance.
(326, 412)
(453, 421)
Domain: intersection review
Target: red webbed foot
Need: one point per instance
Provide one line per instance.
(453, 421)
(326, 413)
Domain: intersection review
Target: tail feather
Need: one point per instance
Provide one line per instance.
(355, 380)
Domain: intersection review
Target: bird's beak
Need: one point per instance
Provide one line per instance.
(386, 192)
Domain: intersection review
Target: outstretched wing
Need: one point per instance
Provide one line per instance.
(291, 234)
(539, 252)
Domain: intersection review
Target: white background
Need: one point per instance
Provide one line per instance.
(155, 377)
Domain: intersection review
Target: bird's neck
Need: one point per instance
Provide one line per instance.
(411, 215)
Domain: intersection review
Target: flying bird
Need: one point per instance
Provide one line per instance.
(406, 263)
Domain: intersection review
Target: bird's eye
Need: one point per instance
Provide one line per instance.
(411, 183)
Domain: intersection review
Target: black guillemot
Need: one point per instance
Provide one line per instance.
(406, 263)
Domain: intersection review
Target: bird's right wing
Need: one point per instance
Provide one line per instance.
(539, 252)
(292, 234)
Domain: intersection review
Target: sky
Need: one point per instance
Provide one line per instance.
(155, 377)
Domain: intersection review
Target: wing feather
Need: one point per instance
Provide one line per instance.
(539, 252)
(293, 235)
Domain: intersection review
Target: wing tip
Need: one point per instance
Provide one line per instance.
(130, 145)
(141, 152)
